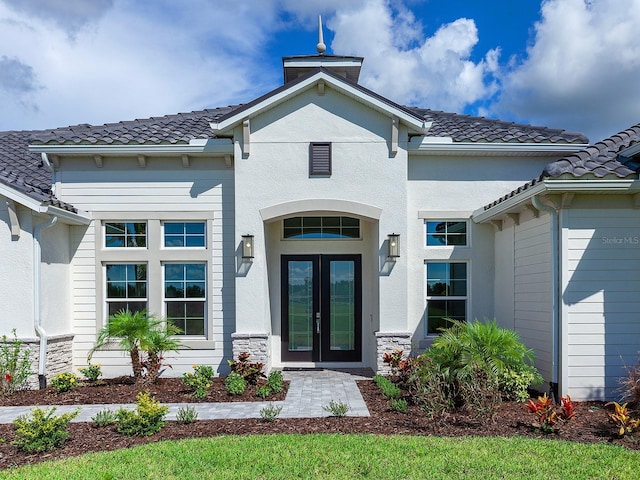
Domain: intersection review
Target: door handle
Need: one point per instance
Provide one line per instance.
(318, 323)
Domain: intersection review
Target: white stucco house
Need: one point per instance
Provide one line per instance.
(323, 225)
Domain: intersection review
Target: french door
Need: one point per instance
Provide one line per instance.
(321, 308)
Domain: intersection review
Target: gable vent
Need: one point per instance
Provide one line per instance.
(320, 158)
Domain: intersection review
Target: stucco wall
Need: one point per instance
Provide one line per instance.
(276, 172)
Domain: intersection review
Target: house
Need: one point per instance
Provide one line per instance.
(321, 225)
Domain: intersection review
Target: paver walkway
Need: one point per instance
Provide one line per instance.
(309, 391)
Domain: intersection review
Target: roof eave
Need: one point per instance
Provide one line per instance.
(444, 145)
(80, 218)
(551, 186)
(414, 122)
(214, 146)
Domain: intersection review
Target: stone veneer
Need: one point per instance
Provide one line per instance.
(59, 356)
(256, 344)
(388, 342)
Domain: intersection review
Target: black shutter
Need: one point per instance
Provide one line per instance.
(320, 158)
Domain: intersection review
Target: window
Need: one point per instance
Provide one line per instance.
(446, 294)
(126, 287)
(320, 159)
(185, 296)
(170, 277)
(125, 234)
(441, 233)
(321, 227)
(184, 234)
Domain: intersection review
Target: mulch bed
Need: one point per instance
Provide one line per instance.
(124, 390)
(591, 425)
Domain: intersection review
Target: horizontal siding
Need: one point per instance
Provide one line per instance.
(148, 190)
(532, 293)
(602, 301)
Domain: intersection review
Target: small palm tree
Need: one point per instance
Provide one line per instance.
(139, 333)
(158, 340)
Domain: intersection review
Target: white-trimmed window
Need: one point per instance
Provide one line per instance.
(126, 287)
(184, 234)
(185, 296)
(125, 234)
(447, 294)
(168, 274)
(446, 233)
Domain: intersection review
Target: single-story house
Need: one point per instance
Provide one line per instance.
(322, 224)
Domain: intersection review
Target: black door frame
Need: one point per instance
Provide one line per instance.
(321, 307)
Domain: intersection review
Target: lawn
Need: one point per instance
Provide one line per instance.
(346, 456)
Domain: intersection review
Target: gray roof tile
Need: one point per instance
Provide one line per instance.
(600, 160)
(24, 171)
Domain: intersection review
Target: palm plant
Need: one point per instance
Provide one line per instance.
(468, 347)
(139, 333)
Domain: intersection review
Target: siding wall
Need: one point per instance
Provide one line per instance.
(600, 293)
(162, 190)
(523, 284)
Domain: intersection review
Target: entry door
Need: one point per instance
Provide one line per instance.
(321, 308)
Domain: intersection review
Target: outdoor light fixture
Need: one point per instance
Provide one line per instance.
(247, 247)
(394, 245)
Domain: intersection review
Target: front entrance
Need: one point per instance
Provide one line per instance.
(321, 308)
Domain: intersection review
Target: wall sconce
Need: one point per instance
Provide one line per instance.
(394, 245)
(247, 247)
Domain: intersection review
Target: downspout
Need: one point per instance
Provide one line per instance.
(37, 320)
(555, 288)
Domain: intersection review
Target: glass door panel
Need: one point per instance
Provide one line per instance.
(342, 303)
(300, 317)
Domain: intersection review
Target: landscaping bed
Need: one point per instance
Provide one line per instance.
(124, 390)
(591, 424)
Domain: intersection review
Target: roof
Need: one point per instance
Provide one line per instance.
(602, 159)
(24, 171)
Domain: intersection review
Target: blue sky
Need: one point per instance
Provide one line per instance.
(571, 64)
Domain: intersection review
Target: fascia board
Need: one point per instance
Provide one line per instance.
(550, 186)
(630, 151)
(212, 146)
(411, 121)
(80, 218)
(431, 147)
(20, 198)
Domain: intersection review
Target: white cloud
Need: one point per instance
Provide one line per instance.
(583, 70)
(406, 66)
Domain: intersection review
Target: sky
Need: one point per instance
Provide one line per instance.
(569, 64)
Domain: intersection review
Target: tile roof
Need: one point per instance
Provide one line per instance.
(598, 160)
(24, 171)
(469, 129)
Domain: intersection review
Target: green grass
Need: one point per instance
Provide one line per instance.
(346, 456)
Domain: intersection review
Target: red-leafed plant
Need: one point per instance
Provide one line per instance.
(401, 366)
(547, 414)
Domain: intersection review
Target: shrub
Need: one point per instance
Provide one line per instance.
(187, 415)
(337, 408)
(270, 412)
(251, 372)
(91, 372)
(199, 381)
(63, 382)
(429, 388)
(622, 419)
(275, 381)
(263, 391)
(630, 384)
(42, 430)
(481, 396)
(399, 405)
(514, 384)
(548, 414)
(146, 419)
(235, 384)
(401, 366)
(104, 418)
(15, 365)
(468, 347)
